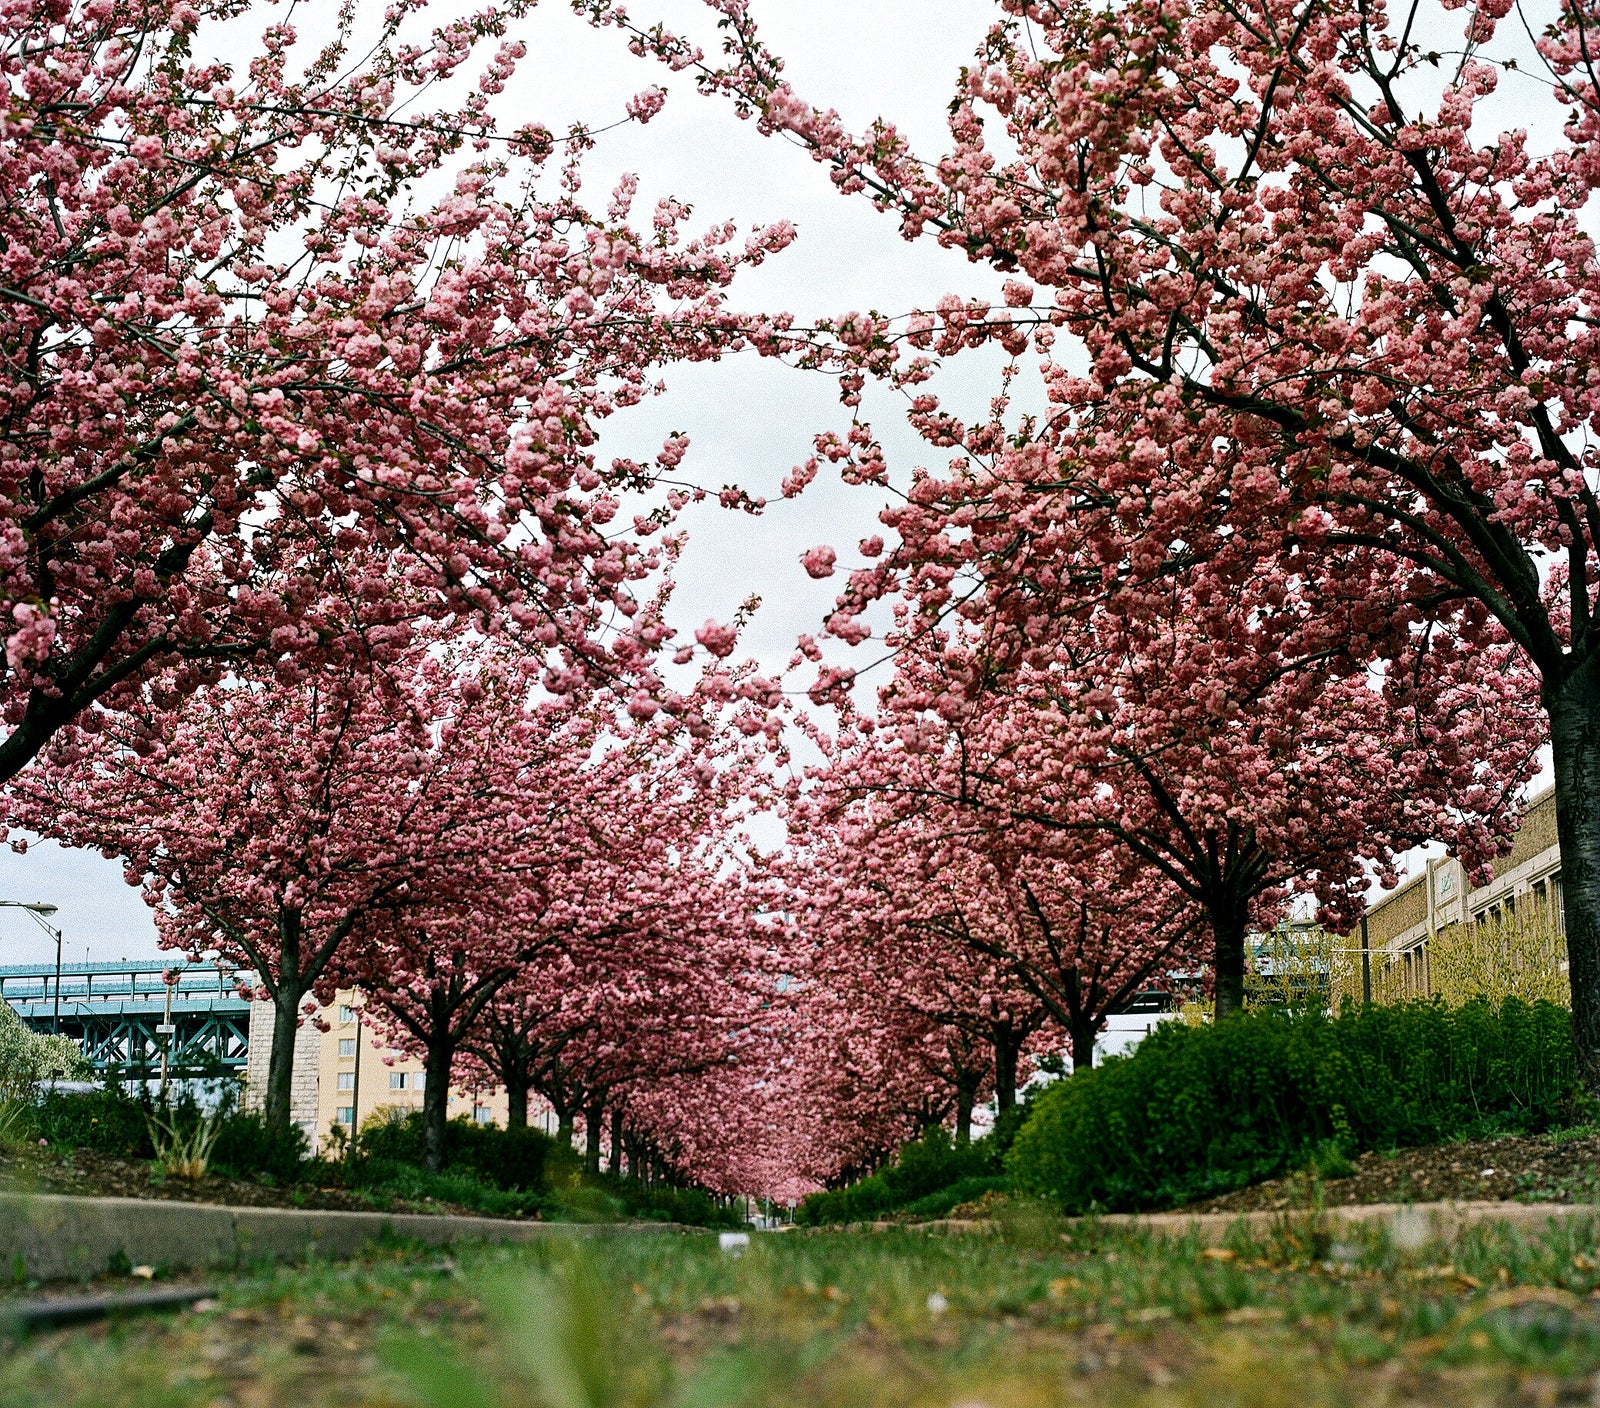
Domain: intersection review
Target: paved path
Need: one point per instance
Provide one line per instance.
(57, 1237)
(52, 1237)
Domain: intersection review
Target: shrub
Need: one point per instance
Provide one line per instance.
(1198, 1110)
(963, 1190)
(509, 1159)
(29, 1058)
(920, 1168)
(692, 1207)
(105, 1121)
(396, 1178)
(1503, 954)
(247, 1146)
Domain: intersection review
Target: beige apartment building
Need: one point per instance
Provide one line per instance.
(346, 1074)
(1400, 925)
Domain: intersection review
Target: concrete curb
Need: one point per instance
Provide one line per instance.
(1409, 1224)
(52, 1237)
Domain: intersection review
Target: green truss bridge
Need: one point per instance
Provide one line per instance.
(121, 1013)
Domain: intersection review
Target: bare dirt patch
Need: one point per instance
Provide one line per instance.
(1533, 1169)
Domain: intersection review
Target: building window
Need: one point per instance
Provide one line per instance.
(481, 1114)
(346, 1014)
(346, 1114)
(347, 1080)
(397, 1080)
(418, 1079)
(347, 1046)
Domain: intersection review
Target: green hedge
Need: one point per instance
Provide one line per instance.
(920, 1169)
(509, 1159)
(1203, 1110)
(105, 1121)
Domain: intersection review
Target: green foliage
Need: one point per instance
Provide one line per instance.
(183, 1146)
(502, 1173)
(963, 1190)
(920, 1168)
(111, 1121)
(1198, 1110)
(105, 1121)
(29, 1058)
(512, 1160)
(690, 1206)
(388, 1179)
(247, 1146)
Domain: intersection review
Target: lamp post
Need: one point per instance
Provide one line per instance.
(39, 910)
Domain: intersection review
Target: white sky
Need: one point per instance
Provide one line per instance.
(748, 421)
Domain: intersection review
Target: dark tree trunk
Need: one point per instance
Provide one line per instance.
(515, 1079)
(616, 1140)
(1007, 1053)
(593, 1118)
(1228, 931)
(966, 1097)
(436, 1102)
(279, 1103)
(1082, 1037)
(564, 1126)
(1574, 712)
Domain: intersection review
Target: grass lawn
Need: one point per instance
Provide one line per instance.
(1033, 1316)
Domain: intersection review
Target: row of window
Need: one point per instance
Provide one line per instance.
(398, 1080)
(1542, 893)
(481, 1114)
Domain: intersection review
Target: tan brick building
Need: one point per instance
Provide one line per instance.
(1400, 925)
(347, 1073)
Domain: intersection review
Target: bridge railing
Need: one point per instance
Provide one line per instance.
(138, 983)
(118, 1012)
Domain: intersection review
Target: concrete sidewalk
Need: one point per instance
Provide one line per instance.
(53, 1237)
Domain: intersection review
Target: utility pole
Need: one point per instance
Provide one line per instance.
(165, 1031)
(355, 1090)
(41, 910)
(1366, 964)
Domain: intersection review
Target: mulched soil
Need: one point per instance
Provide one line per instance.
(1536, 1169)
(87, 1174)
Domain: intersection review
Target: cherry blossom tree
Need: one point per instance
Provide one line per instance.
(1067, 929)
(602, 935)
(271, 822)
(1232, 759)
(1326, 286)
(960, 1017)
(296, 322)
(621, 1000)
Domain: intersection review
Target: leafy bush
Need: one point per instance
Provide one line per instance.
(248, 1146)
(922, 1167)
(105, 1121)
(28, 1058)
(963, 1190)
(388, 1179)
(509, 1159)
(690, 1206)
(1198, 1110)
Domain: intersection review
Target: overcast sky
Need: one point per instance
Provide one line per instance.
(749, 421)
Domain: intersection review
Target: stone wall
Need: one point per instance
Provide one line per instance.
(303, 1091)
(1535, 834)
(1390, 917)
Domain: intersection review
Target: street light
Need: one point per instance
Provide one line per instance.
(39, 909)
